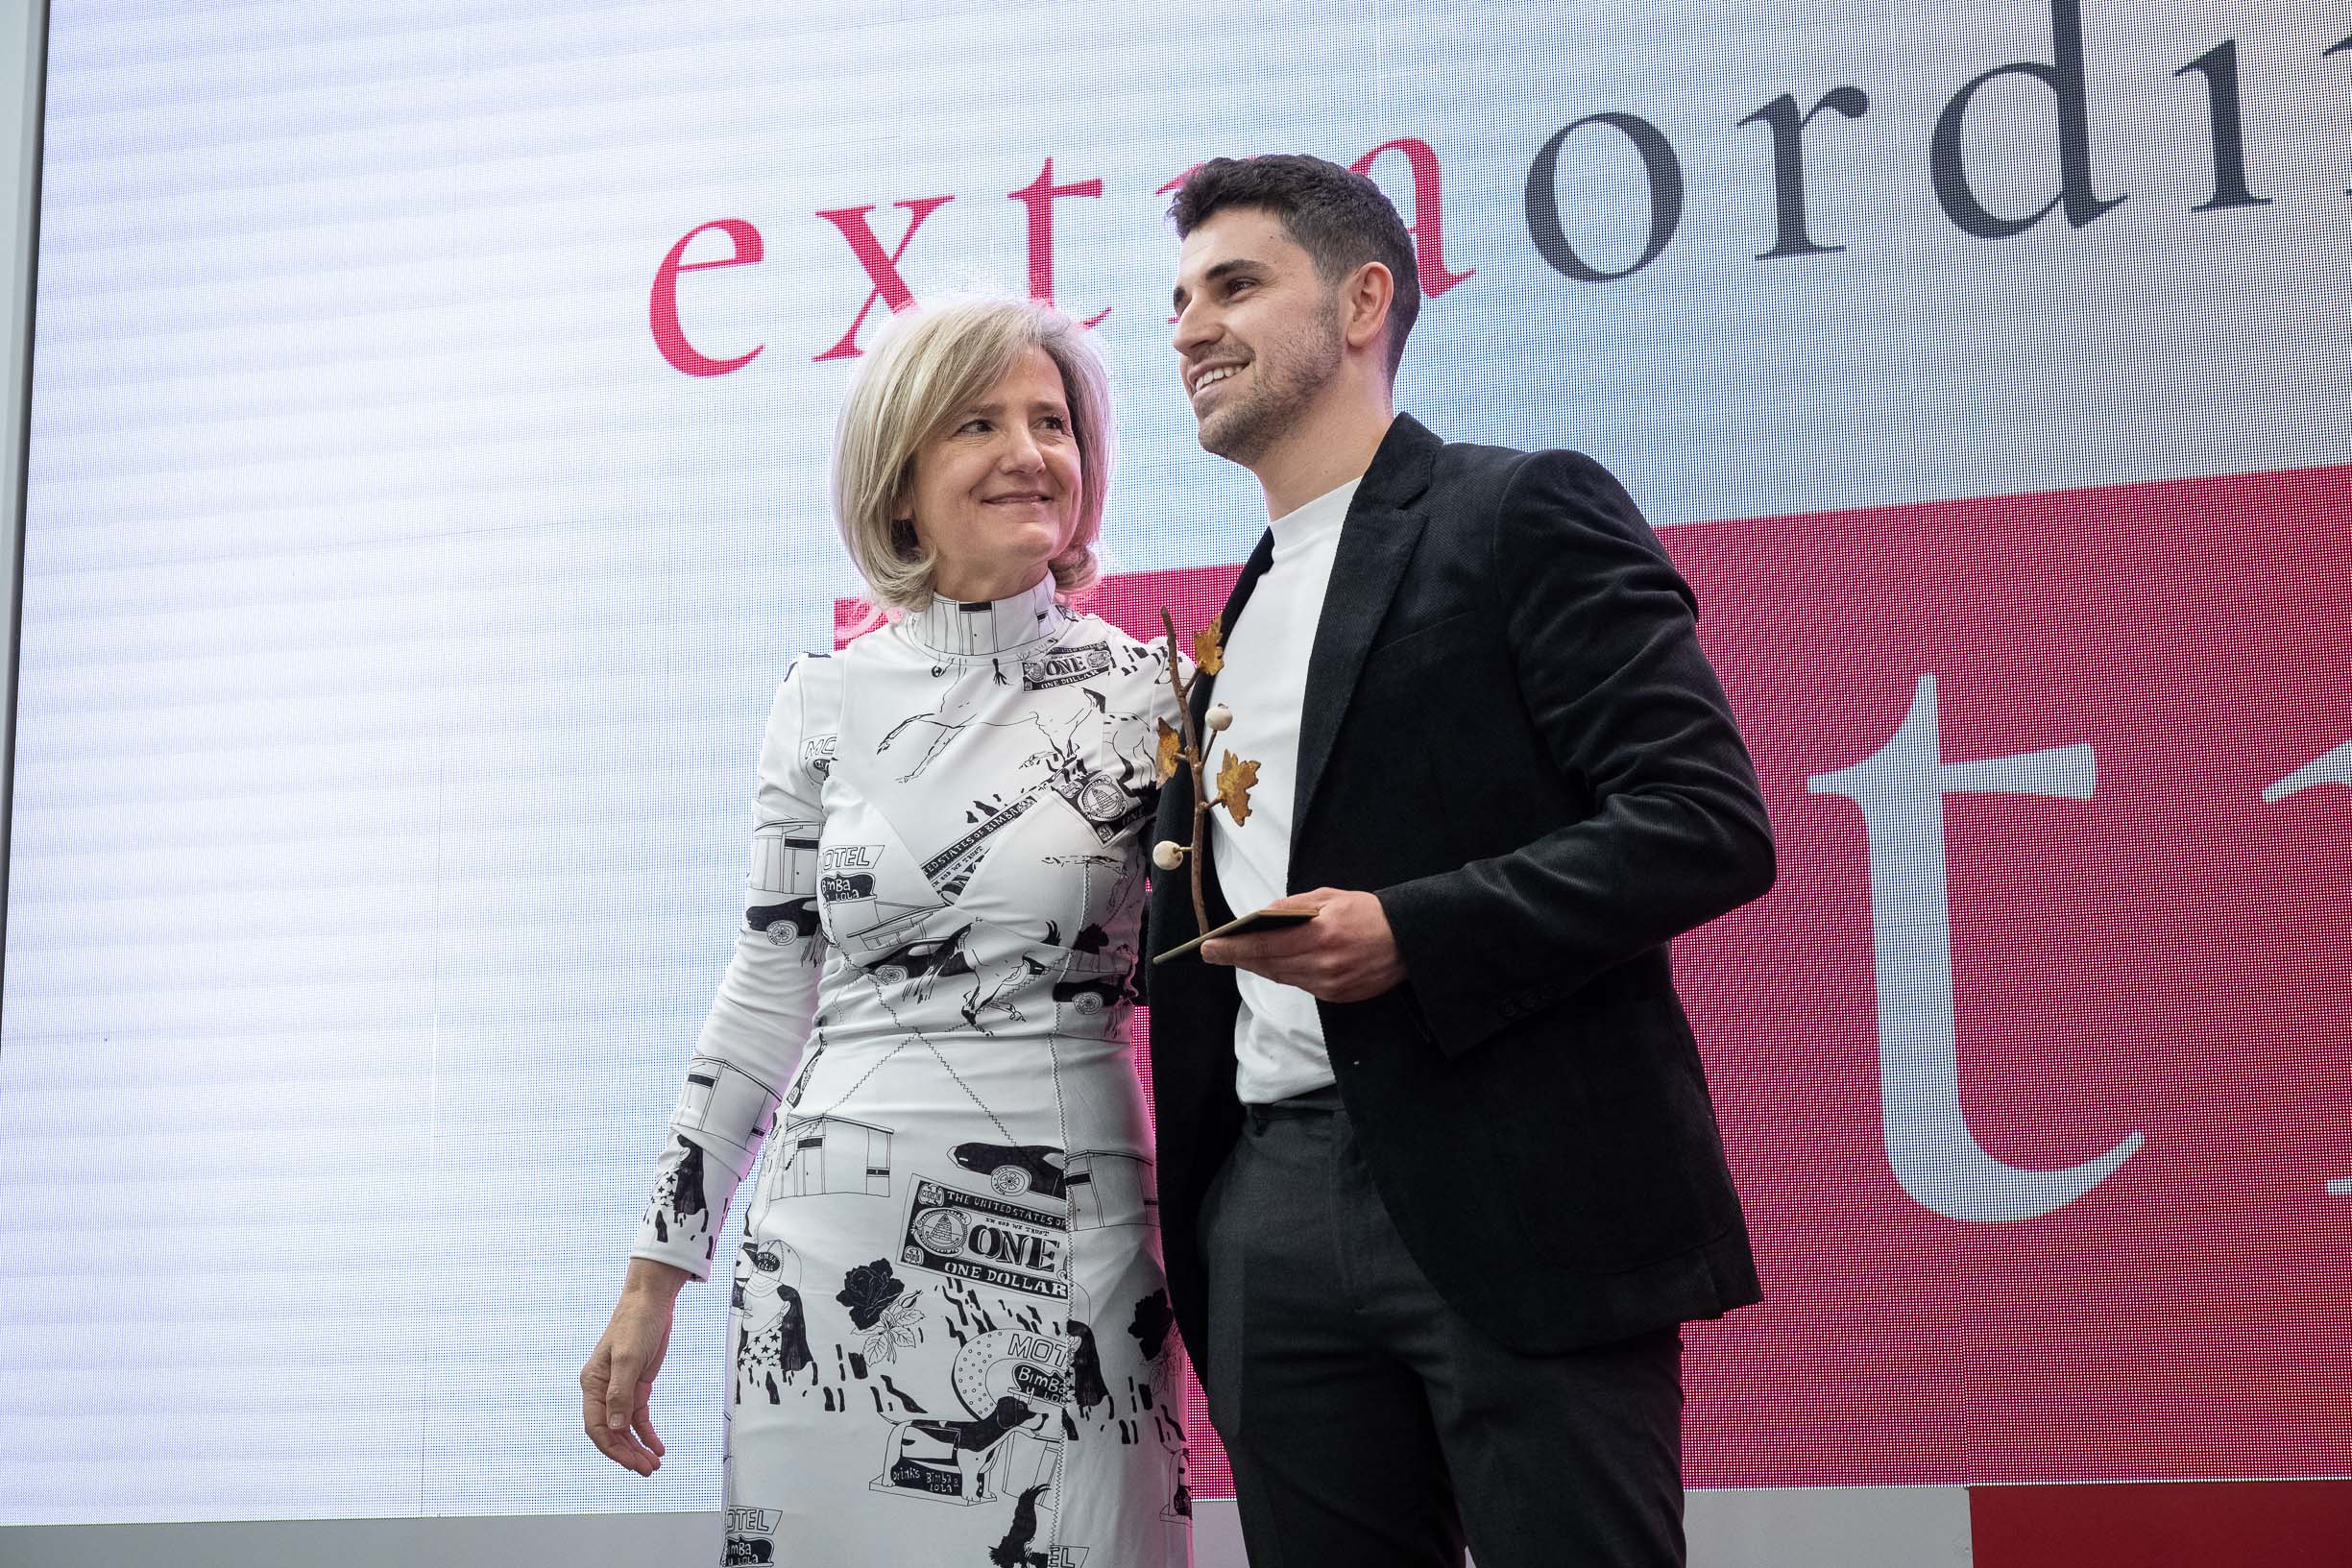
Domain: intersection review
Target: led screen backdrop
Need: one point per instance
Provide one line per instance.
(425, 493)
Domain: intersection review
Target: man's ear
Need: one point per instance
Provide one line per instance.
(1363, 304)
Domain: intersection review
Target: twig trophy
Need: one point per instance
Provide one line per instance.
(1236, 777)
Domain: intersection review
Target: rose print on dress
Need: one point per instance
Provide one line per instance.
(879, 1305)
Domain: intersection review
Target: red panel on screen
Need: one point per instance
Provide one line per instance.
(2168, 957)
(2189, 1525)
(2154, 948)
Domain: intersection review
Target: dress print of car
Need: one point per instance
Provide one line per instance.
(939, 955)
(1092, 993)
(781, 923)
(1014, 1168)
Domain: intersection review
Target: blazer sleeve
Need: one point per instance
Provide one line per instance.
(1604, 641)
(759, 1023)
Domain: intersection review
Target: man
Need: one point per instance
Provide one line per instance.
(1440, 1177)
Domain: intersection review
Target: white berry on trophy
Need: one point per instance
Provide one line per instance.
(1167, 855)
(1217, 717)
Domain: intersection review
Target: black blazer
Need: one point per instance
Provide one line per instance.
(1510, 736)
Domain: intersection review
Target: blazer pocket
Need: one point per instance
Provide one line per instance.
(1420, 650)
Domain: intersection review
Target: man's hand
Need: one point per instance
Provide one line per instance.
(1345, 953)
(616, 1385)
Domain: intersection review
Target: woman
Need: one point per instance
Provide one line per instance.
(950, 1333)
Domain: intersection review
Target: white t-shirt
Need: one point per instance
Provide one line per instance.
(1279, 1036)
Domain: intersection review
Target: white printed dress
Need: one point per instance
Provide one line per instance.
(951, 1337)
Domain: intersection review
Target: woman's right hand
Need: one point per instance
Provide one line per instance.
(616, 1385)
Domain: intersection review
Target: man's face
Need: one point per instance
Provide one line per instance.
(1257, 332)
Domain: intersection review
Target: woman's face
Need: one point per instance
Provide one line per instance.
(996, 491)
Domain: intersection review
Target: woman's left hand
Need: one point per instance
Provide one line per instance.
(616, 1385)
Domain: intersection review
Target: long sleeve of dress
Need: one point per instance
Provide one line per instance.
(760, 1021)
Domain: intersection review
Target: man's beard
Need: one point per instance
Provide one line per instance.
(1246, 428)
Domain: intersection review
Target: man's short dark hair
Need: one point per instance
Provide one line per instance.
(1335, 215)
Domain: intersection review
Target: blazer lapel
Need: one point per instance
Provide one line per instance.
(1260, 559)
(1204, 686)
(1375, 543)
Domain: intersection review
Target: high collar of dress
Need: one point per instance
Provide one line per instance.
(983, 630)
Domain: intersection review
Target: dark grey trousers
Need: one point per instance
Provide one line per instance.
(1371, 1427)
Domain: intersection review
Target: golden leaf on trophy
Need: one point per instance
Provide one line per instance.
(1209, 646)
(1233, 782)
(1171, 751)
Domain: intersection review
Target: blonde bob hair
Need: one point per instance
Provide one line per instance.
(929, 364)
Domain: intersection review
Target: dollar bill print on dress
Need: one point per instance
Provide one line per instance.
(950, 1334)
